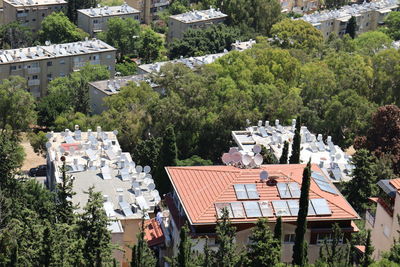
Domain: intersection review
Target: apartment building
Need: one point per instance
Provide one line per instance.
(368, 16)
(149, 9)
(331, 159)
(94, 20)
(96, 159)
(30, 13)
(382, 218)
(179, 24)
(299, 6)
(268, 191)
(40, 64)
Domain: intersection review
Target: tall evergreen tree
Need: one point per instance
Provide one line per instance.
(278, 229)
(334, 253)
(285, 153)
(64, 205)
(369, 249)
(185, 248)
(168, 157)
(226, 255)
(351, 27)
(208, 257)
(142, 255)
(263, 248)
(300, 245)
(93, 228)
(268, 156)
(295, 156)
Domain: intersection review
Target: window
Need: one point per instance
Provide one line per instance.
(62, 74)
(13, 67)
(62, 61)
(321, 238)
(289, 238)
(50, 63)
(95, 21)
(49, 75)
(108, 56)
(33, 19)
(34, 77)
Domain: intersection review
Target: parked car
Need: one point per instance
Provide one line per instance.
(38, 171)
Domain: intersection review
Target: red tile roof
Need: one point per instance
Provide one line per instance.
(199, 187)
(395, 183)
(153, 232)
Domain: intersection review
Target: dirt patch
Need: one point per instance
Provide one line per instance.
(31, 159)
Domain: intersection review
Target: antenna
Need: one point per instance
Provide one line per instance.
(147, 169)
(226, 158)
(257, 149)
(139, 169)
(258, 159)
(263, 176)
(246, 160)
(236, 157)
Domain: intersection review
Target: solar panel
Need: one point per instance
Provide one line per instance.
(69, 139)
(283, 189)
(220, 206)
(321, 146)
(105, 171)
(337, 174)
(252, 191)
(237, 209)
(126, 208)
(266, 209)
(318, 176)
(252, 209)
(240, 191)
(281, 208)
(141, 201)
(313, 147)
(293, 207)
(320, 206)
(125, 174)
(262, 132)
(311, 211)
(91, 154)
(108, 207)
(325, 186)
(110, 154)
(294, 190)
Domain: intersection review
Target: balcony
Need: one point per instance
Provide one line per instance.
(386, 207)
(95, 62)
(370, 218)
(21, 15)
(33, 70)
(160, 3)
(78, 65)
(34, 82)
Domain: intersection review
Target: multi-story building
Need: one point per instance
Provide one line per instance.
(268, 191)
(94, 20)
(30, 13)
(299, 6)
(149, 9)
(96, 159)
(332, 160)
(40, 64)
(369, 15)
(382, 219)
(179, 24)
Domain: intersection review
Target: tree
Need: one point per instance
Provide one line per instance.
(370, 43)
(363, 182)
(123, 34)
(285, 151)
(393, 255)
(58, 29)
(13, 35)
(16, 106)
(74, 5)
(278, 229)
(296, 34)
(11, 158)
(64, 205)
(184, 258)
(335, 4)
(295, 156)
(142, 255)
(208, 259)
(334, 253)
(194, 161)
(93, 228)
(150, 45)
(300, 245)
(263, 249)
(167, 157)
(268, 156)
(392, 25)
(369, 249)
(38, 142)
(351, 27)
(126, 68)
(226, 255)
(146, 151)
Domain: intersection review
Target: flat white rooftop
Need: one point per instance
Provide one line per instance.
(53, 51)
(112, 86)
(26, 3)
(332, 160)
(346, 12)
(199, 15)
(96, 159)
(109, 11)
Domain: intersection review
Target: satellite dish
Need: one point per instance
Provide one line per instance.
(48, 135)
(264, 176)
(115, 132)
(47, 43)
(139, 169)
(62, 133)
(338, 156)
(48, 145)
(258, 159)
(246, 160)
(147, 169)
(148, 175)
(257, 149)
(151, 186)
(233, 150)
(226, 158)
(236, 157)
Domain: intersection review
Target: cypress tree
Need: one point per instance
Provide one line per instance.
(226, 255)
(300, 245)
(263, 250)
(185, 248)
(285, 153)
(295, 156)
(333, 253)
(208, 259)
(168, 157)
(64, 205)
(278, 229)
(351, 27)
(142, 255)
(369, 249)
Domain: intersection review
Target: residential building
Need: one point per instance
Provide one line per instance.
(99, 90)
(94, 20)
(179, 24)
(241, 46)
(30, 13)
(369, 15)
(332, 160)
(40, 64)
(268, 191)
(382, 218)
(299, 6)
(149, 9)
(96, 159)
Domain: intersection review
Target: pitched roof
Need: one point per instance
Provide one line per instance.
(153, 232)
(395, 183)
(199, 187)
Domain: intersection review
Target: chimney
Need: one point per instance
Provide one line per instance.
(120, 197)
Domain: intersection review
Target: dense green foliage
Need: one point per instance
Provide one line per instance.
(333, 253)
(126, 68)
(226, 255)
(392, 25)
(142, 255)
(285, 151)
(194, 161)
(351, 27)
(369, 249)
(295, 155)
(74, 5)
(15, 35)
(150, 45)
